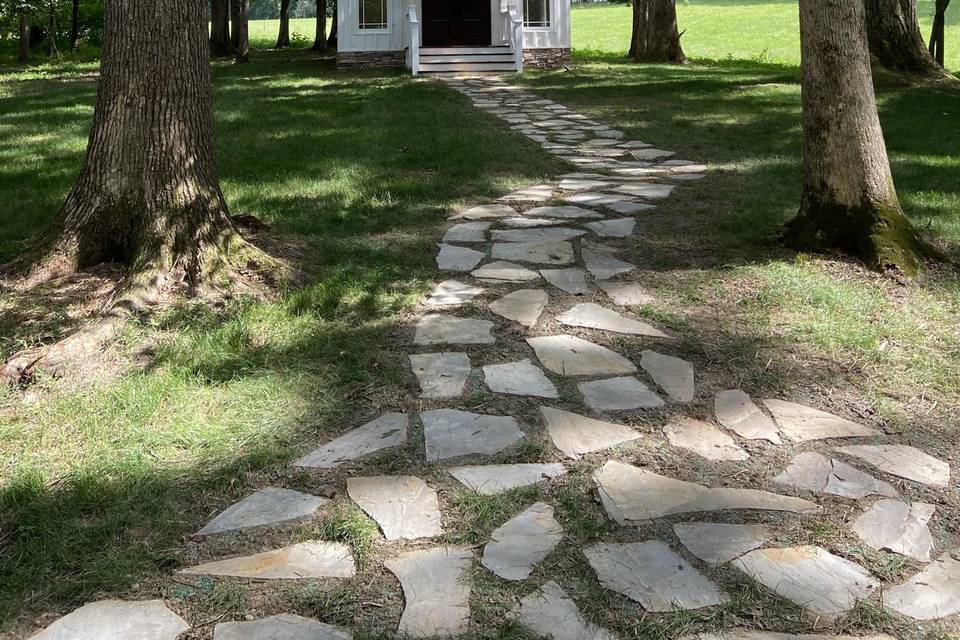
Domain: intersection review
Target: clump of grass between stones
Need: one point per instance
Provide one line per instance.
(349, 525)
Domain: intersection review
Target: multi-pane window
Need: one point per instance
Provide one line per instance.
(373, 14)
(536, 13)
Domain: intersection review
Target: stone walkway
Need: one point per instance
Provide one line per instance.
(557, 246)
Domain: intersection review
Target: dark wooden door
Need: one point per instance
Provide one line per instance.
(456, 23)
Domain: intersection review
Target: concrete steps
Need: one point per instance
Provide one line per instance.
(466, 60)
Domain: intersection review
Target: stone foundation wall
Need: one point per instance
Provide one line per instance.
(371, 59)
(545, 58)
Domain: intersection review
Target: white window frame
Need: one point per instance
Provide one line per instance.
(542, 27)
(361, 29)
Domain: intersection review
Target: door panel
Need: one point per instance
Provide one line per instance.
(456, 23)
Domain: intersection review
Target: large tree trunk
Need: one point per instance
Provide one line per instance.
(234, 24)
(320, 39)
(937, 33)
(241, 31)
(52, 30)
(220, 46)
(894, 36)
(634, 25)
(332, 39)
(657, 36)
(849, 202)
(75, 25)
(24, 49)
(283, 37)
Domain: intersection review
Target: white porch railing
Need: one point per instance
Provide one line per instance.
(413, 38)
(513, 32)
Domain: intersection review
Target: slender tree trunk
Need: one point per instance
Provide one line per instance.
(937, 34)
(24, 53)
(241, 32)
(894, 36)
(283, 38)
(634, 28)
(75, 25)
(332, 40)
(849, 202)
(657, 37)
(234, 25)
(220, 46)
(320, 40)
(52, 30)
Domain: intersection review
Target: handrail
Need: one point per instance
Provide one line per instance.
(513, 32)
(413, 52)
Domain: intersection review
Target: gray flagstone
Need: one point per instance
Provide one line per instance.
(932, 594)
(593, 316)
(313, 559)
(389, 430)
(673, 375)
(268, 506)
(619, 394)
(737, 412)
(441, 375)
(441, 329)
(716, 543)
(550, 613)
(522, 542)
(450, 433)
(519, 378)
(117, 620)
(491, 479)
(815, 472)
(572, 280)
(704, 439)
(803, 424)
(454, 258)
(903, 461)
(577, 435)
(572, 356)
(523, 306)
(405, 507)
(285, 626)
(436, 589)
(899, 527)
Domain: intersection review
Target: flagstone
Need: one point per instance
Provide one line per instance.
(628, 208)
(441, 375)
(903, 461)
(389, 430)
(803, 424)
(537, 235)
(117, 620)
(270, 506)
(602, 265)
(538, 193)
(815, 472)
(526, 223)
(577, 435)
(651, 154)
(704, 439)
(449, 433)
(630, 495)
(522, 542)
(717, 543)
(898, 527)
(687, 176)
(932, 594)
(572, 356)
(575, 184)
(567, 213)
(523, 306)
(593, 316)
(572, 280)
(491, 479)
(436, 590)
(595, 199)
(619, 394)
(441, 329)
(520, 379)
(467, 232)
(501, 271)
(545, 252)
(643, 171)
(653, 575)
(313, 559)
(405, 507)
(650, 190)
(811, 577)
(485, 212)
(454, 258)
(626, 294)
(618, 228)
(285, 626)
(451, 293)
(549, 613)
(737, 412)
(673, 375)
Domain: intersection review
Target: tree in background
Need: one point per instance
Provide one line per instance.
(52, 29)
(74, 25)
(220, 46)
(235, 25)
(332, 39)
(240, 31)
(895, 40)
(848, 202)
(320, 39)
(936, 34)
(23, 54)
(655, 34)
(283, 37)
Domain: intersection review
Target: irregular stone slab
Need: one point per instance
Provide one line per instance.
(651, 191)
(485, 212)
(268, 506)
(704, 439)
(439, 329)
(618, 228)
(602, 265)
(673, 375)
(523, 306)
(651, 154)
(577, 435)
(572, 281)
(575, 184)
(441, 375)
(437, 592)
(533, 194)
(522, 542)
(818, 473)
(632, 495)
(501, 271)
(619, 394)
(467, 232)
(898, 527)
(803, 424)
(520, 379)
(738, 413)
(653, 575)
(596, 199)
(593, 316)
(491, 479)
(285, 626)
(451, 293)
(405, 507)
(566, 213)
(547, 252)
(629, 208)
(454, 258)
(527, 223)
(304, 560)
(903, 461)
(572, 356)
(537, 235)
(117, 620)
(626, 294)
(717, 543)
(389, 430)
(449, 433)
(550, 613)
(811, 577)
(932, 594)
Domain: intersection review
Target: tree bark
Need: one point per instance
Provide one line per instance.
(320, 40)
(937, 34)
(849, 202)
(241, 32)
(634, 25)
(75, 25)
(283, 37)
(894, 37)
(234, 24)
(52, 30)
(657, 36)
(220, 46)
(332, 39)
(24, 49)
